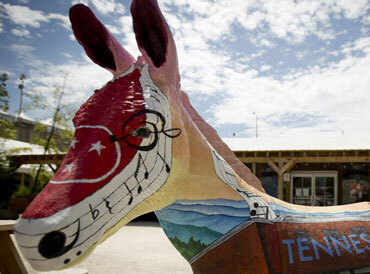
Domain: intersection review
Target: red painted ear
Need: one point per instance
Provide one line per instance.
(154, 38)
(99, 44)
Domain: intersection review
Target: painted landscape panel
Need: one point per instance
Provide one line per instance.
(192, 225)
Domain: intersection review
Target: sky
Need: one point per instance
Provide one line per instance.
(301, 68)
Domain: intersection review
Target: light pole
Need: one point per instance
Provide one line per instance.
(21, 87)
(256, 124)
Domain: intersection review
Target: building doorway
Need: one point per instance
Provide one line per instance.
(314, 188)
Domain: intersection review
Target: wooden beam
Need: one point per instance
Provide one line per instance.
(254, 168)
(298, 160)
(280, 186)
(18, 160)
(283, 169)
(280, 170)
(274, 166)
(10, 260)
(288, 166)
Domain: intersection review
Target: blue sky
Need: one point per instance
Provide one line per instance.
(302, 66)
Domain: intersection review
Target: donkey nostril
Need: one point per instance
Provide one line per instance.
(52, 244)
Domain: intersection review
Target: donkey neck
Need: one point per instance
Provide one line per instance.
(212, 204)
(203, 182)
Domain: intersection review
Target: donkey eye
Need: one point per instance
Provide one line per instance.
(142, 132)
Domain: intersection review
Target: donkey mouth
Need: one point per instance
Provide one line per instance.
(40, 247)
(53, 244)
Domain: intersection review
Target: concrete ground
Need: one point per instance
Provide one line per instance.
(137, 248)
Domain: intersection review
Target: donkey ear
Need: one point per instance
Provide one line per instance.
(154, 37)
(99, 44)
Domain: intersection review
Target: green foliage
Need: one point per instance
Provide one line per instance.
(44, 177)
(26, 191)
(188, 250)
(57, 135)
(7, 130)
(8, 184)
(23, 191)
(4, 96)
(54, 137)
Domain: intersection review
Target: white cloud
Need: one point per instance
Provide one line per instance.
(294, 21)
(24, 16)
(113, 29)
(252, 21)
(85, 2)
(362, 44)
(266, 43)
(314, 98)
(103, 6)
(21, 50)
(301, 54)
(24, 53)
(67, 55)
(129, 41)
(265, 68)
(108, 6)
(353, 9)
(289, 20)
(63, 20)
(10, 73)
(21, 32)
(82, 78)
(208, 70)
(366, 20)
(331, 98)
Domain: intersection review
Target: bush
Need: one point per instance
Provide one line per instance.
(8, 184)
(23, 191)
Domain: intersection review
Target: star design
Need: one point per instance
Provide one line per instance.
(73, 143)
(68, 167)
(97, 146)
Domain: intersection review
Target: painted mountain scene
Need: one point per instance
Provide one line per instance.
(192, 225)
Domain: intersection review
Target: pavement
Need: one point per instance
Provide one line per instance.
(137, 248)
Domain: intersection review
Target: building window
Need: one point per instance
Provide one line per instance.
(356, 183)
(269, 180)
(314, 188)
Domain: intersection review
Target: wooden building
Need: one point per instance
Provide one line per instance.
(27, 132)
(309, 171)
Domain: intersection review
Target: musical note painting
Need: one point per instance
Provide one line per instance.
(140, 146)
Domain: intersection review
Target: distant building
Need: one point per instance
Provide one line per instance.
(309, 170)
(21, 148)
(24, 143)
(26, 130)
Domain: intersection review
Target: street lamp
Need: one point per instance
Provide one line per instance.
(256, 124)
(21, 87)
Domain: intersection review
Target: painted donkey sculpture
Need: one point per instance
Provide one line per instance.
(139, 146)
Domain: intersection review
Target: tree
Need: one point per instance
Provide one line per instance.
(4, 96)
(55, 133)
(53, 130)
(7, 180)
(7, 130)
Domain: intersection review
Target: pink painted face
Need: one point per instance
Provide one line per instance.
(121, 153)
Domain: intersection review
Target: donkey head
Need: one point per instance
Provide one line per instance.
(125, 155)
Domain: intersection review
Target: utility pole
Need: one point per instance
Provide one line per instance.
(256, 124)
(21, 87)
